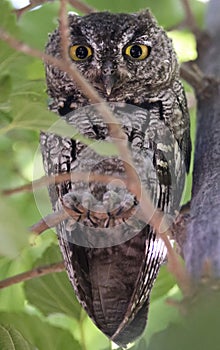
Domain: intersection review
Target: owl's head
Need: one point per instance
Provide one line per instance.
(126, 57)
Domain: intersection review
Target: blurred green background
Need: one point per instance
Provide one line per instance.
(43, 313)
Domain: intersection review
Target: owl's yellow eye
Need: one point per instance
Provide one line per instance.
(137, 51)
(80, 52)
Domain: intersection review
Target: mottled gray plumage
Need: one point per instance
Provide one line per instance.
(113, 281)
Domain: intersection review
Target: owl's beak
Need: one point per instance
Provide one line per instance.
(108, 76)
(108, 82)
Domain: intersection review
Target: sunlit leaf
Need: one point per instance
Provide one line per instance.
(52, 293)
(199, 329)
(164, 282)
(13, 233)
(5, 87)
(11, 339)
(40, 333)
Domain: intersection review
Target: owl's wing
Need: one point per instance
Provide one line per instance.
(182, 120)
(58, 155)
(135, 318)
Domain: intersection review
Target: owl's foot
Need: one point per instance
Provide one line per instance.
(118, 205)
(114, 207)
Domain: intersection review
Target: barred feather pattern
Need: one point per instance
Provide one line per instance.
(112, 260)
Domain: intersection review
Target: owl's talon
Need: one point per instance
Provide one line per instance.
(90, 218)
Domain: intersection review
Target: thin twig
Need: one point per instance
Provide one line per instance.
(72, 176)
(38, 272)
(64, 30)
(49, 221)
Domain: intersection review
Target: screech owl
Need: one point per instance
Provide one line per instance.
(113, 258)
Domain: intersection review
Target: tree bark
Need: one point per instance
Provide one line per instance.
(203, 231)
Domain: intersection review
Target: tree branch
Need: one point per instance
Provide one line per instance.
(202, 84)
(72, 176)
(203, 231)
(38, 272)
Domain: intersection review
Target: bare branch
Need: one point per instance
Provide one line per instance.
(38, 272)
(49, 221)
(203, 231)
(202, 84)
(179, 227)
(72, 176)
(64, 30)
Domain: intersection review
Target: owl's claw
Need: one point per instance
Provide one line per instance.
(79, 203)
(114, 207)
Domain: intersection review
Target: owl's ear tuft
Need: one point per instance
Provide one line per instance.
(73, 18)
(146, 16)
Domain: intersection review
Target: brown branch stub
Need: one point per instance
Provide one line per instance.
(38, 272)
(179, 227)
(202, 84)
(190, 18)
(49, 221)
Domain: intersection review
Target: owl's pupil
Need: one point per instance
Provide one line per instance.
(81, 52)
(136, 51)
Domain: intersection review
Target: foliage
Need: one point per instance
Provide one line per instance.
(43, 313)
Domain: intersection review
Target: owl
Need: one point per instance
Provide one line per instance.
(112, 256)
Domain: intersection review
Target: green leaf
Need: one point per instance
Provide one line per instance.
(8, 18)
(199, 330)
(30, 116)
(34, 34)
(161, 314)
(13, 233)
(11, 339)
(5, 87)
(164, 17)
(184, 44)
(164, 282)
(140, 345)
(7, 23)
(39, 333)
(11, 298)
(52, 293)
